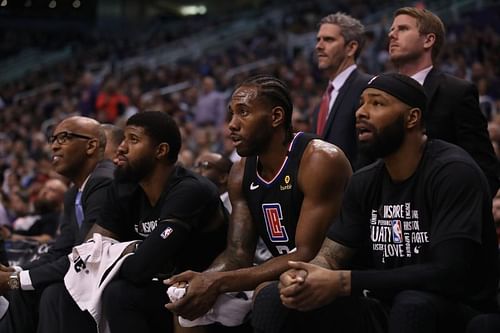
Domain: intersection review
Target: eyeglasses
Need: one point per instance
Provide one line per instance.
(63, 137)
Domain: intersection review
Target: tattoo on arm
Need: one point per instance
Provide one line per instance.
(333, 255)
(240, 247)
(241, 234)
(230, 259)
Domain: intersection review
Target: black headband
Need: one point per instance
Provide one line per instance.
(403, 87)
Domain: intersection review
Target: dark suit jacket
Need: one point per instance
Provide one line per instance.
(52, 266)
(453, 115)
(340, 128)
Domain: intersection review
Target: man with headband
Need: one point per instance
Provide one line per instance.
(414, 249)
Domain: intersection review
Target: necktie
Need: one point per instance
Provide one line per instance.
(323, 110)
(79, 208)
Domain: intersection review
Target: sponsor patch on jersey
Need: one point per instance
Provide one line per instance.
(273, 217)
(287, 186)
(167, 232)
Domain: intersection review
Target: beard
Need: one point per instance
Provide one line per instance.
(385, 141)
(136, 171)
(260, 141)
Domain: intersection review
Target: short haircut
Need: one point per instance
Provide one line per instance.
(160, 127)
(102, 141)
(427, 22)
(275, 92)
(350, 28)
(115, 133)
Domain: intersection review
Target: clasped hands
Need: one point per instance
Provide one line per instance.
(305, 286)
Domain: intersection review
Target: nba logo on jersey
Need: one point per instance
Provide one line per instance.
(273, 217)
(166, 232)
(397, 233)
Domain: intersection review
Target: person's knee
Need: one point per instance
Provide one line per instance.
(268, 314)
(485, 323)
(114, 295)
(52, 295)
(413, 299)
(413, 311)
(266, 297)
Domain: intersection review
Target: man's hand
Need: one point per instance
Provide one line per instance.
(306, 286)
(5, 232)
(6, 269)
(4, 279)
(200, 297)
(294, 277)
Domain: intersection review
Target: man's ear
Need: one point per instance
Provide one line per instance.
(162, 150)
(277, 115)
(414, 118)
(429, 41)
(92, 146)
(352, 47)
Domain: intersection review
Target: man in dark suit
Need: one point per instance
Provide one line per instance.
(78, 145)
(338, 45)
(453, 114)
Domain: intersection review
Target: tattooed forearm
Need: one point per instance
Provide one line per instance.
(238, 254)
(333, 255)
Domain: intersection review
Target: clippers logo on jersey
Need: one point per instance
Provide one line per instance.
(397, 233)
(146, 227)
(273, 216)
(166, 232)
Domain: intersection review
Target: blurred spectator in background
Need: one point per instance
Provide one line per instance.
(18, 205)
(111, 102)
(88, 90)
(210, 108)
(486, 102)
(114, 136)
(40, 225)
(215, 167)
(300, 122)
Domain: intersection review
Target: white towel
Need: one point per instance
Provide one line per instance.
(230, 309)
(4, 306)
(93, 266)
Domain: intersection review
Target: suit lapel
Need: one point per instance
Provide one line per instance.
(344, 90)
(431, 84)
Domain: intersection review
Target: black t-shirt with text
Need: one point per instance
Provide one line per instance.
(173, 230)
(394, 225)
